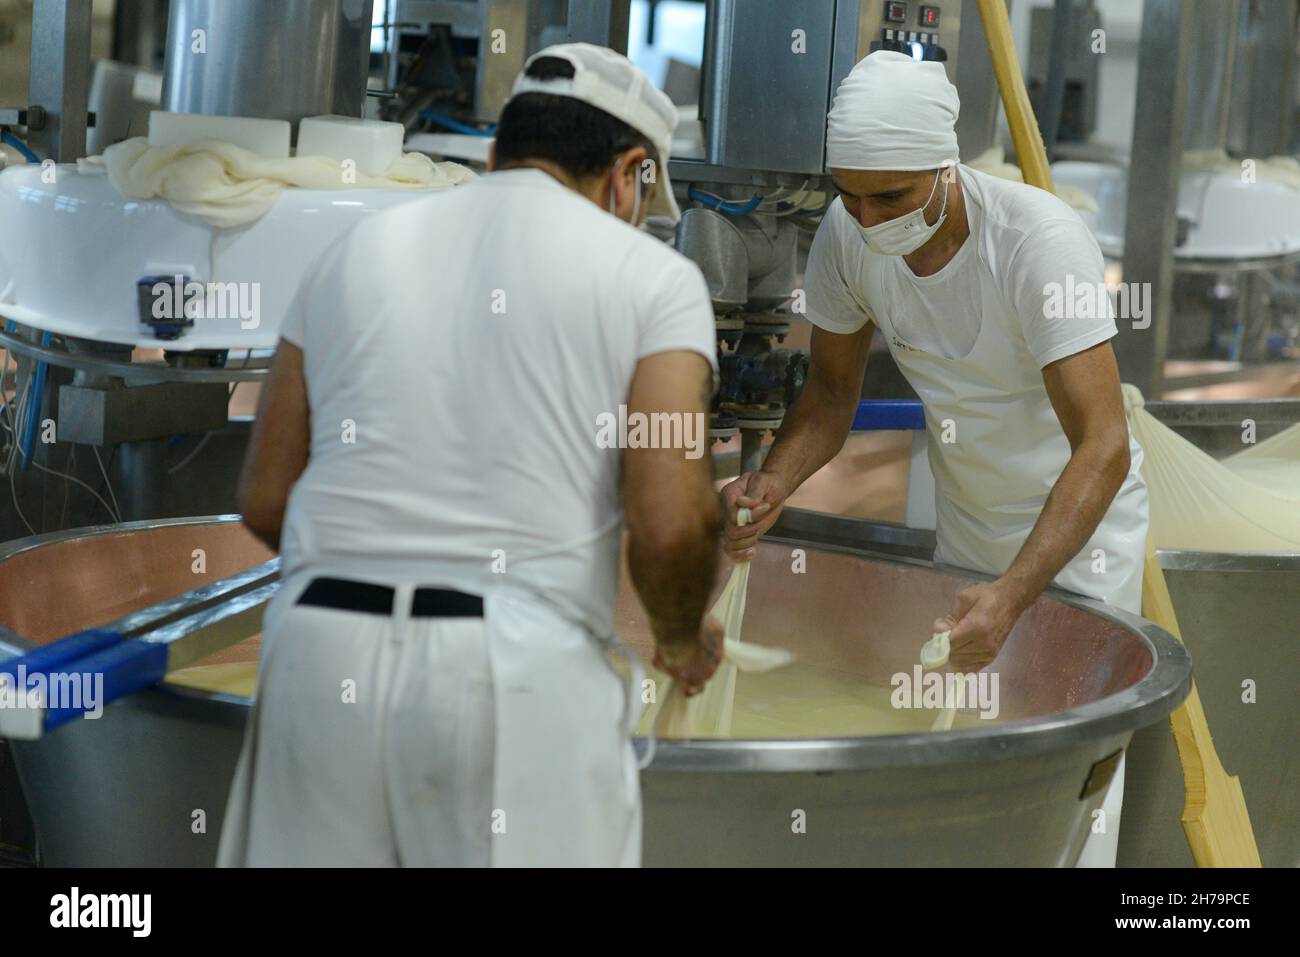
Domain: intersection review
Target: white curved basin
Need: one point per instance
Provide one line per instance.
(72, 251)
(1231, 219)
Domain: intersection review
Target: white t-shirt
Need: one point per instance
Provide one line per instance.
(458, 351)
(1023, 291)
(1026, 238)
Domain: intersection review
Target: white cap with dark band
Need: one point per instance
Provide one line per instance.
(611, 82)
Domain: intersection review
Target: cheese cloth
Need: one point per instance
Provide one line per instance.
(1273, 464)
(934, 654)
(708, 714)
(227, 185)
(1202, 504)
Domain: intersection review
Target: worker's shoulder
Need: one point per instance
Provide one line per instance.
(637, 260)
(1018, 209)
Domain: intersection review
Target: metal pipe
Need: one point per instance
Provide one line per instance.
(1229, 65)
(143, 468)
(136, 371)
(1058, 58)
(282, 60)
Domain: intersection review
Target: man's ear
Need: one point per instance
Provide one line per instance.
(492, 156)
(632, 161)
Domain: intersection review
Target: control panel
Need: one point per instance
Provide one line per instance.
(923, 31)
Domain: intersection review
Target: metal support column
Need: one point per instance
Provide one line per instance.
(1153, 177)
(1266, 107)
(144, 478)
(60, 78)
(603, 22)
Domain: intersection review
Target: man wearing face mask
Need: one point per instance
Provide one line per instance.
(429, 460)
(1036, 474)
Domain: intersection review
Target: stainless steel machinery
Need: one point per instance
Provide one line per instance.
(286, 60)
(751, 189)
(1076, 678)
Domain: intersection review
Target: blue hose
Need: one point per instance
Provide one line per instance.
(37, 389)
(20, 146)
(456, 126)
(731, 209)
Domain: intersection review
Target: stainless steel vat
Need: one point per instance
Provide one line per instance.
(1240, 619)
(1077, 679)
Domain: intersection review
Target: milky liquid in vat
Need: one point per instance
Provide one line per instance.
(797, 701)
(237, 678)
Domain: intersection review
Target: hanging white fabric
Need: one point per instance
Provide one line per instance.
(1199, 503)
(708, 714)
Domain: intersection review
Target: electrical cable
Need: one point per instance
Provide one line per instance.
(107, 484)
(10, 140)
(193, 452)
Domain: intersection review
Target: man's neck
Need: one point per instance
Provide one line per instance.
(590, 188)
(947, 240)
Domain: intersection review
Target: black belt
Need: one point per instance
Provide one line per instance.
(378, 599)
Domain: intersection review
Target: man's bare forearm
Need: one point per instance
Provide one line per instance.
(1074, 508)
(674, 576)
(266, 531)
(813, 433)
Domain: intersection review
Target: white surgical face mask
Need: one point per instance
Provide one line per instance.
(636, 203)
(909, 232)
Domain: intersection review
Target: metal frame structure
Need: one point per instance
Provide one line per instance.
(59, 86)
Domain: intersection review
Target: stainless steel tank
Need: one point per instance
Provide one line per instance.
(1077, 679)
(282, 60)
(1240, 618)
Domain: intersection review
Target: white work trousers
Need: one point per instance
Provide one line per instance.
(375, 741)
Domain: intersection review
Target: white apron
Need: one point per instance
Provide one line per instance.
(996, 449)
(565, 789)
(566, 785)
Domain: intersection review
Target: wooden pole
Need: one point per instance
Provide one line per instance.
(1028, 141)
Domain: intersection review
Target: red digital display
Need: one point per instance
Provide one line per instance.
(929, 17)
(896, 12)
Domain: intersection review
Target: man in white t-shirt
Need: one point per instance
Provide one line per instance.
(435, 460)
(974, 282)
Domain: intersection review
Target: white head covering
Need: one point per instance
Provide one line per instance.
(610, 81)
(893, 113)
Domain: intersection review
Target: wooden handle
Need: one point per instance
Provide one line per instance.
(1215, 819)
(1028, 141)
